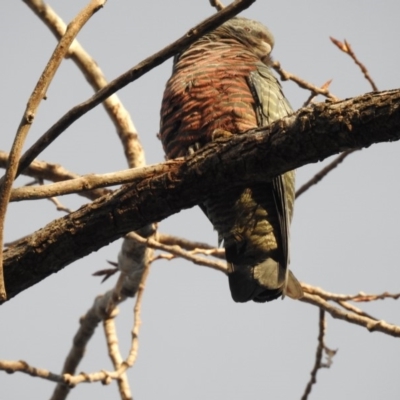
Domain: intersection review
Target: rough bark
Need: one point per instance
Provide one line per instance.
(308, 136)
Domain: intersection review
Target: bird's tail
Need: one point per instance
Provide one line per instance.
(293, 287)
(272, 275)
(264, 282)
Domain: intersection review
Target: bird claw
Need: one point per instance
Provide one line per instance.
(221, 134)
(193, 148)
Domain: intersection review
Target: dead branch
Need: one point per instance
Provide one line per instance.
(59, 205)
(318, 355)
(355, 309)
(371, 324)
(33, 103)
(310, 99)
(359, 297)
(22, 366)
(321, 174)
(346, 48)
(110, 332)
(217, 4)
(192, 247)
(41, 170)
(84, 183)
(179, 252)
(315, 90)
(184, 243)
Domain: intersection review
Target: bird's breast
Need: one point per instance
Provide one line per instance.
(207, 91)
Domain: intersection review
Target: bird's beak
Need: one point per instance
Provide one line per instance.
(266, 47)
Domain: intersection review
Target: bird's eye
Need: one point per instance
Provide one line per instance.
(247, 29)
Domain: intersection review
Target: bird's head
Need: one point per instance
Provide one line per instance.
(250, 33)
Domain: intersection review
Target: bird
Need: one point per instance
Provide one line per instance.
(223, 85)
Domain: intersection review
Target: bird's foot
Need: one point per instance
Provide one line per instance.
(221, 134)
(193, 148)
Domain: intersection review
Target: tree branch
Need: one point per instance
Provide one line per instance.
(310, 135)
(41, 170)
(372, 325)
(318, 355)
(39, 92)
(315, 179)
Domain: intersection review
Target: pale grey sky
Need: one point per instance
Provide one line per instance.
(195, 342)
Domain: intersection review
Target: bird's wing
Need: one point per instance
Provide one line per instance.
(271, 105)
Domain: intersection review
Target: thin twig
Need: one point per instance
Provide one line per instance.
(183, 242)
(355, 309)
(33, 103)
(371, 324)
(346, 48)
(362, 297)
(137, 317)
(219, 253)
(22, 366)
(323, 172)
(217, 4)
(55, 201)
(325, 86)
(359, 297)
(284, 75)
(34, 182)
(41, 170)
(59, 205)
(318, 355)
(179, 252)
(114, 353)
(87, 326)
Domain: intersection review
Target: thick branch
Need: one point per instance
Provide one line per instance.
(307, 136)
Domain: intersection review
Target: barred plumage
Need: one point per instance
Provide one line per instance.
(223, 85)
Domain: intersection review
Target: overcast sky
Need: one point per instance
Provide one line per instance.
(195, 342)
